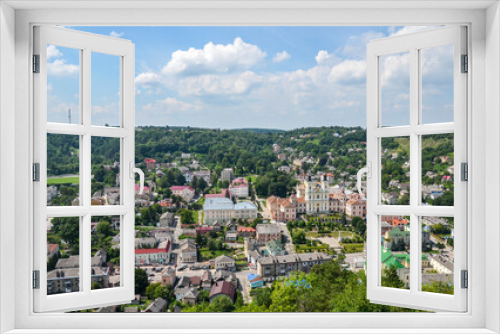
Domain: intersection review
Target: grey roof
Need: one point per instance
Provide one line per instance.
(74, 273)
(131, 309)
(168, 215)
(430, 278)
(148, 241)
(267, 228)
(192, 293)
(157, 305)
(245, 206)
(183, 282)
(233, 234)
(304, 257)
(187, 244)
(224, 258)
(253, 253)
(74, 261)
(218, 203)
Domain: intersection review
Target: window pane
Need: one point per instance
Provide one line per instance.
(395, 89)
(437, 255)
(395, 253)
(63, 85)
(437, 84)
(395, 171)
(105, 252)
(105, 171)
(438, 170)
(105, 89)
(63, 255)
(63, 169)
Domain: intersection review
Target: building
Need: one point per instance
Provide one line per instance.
(204, 174)
(255, 281)
(218, 208)
(168, 277)
(150, 163)
(158, 305)
(224, 262)
(231, 236)
(245, 210)
(66, 277)
(282, 209)
(316, 195)
(149, 242)
(188, 251)
(239, 187)
(186, 192)
(275, 248)
(222, 288)
(227, 174)
(167, 219)
(355, 208)
(152, 255)
(246, 232)
(206, 280)
(270, 268)
(267, 232)
(222, 209)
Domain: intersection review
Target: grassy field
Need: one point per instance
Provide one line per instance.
(63, 180)
(353, 248)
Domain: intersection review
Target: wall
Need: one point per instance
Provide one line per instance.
(7, 165)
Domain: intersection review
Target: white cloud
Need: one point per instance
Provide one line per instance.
(214, 58)
(281, 56)
(170, 105)
(53, 52)
(409, 30)
(343, 104)
(211, 84)
(323, 56)
(116, 34)
(61, 68)
(348, 71)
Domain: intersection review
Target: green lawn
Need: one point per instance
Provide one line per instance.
(264, 203)
(353, 248)
(63, 180)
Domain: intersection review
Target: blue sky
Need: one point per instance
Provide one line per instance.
(238, 77)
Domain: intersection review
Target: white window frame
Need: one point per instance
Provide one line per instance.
(413, 43)
(86, 44)
(484, 102)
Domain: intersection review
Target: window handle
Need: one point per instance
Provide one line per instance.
(134, 170)
(365, 170)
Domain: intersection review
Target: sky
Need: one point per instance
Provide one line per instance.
(250, 77)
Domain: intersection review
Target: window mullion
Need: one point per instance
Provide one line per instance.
(414, 170)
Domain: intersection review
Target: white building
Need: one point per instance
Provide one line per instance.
(223, 209)
(239, 187)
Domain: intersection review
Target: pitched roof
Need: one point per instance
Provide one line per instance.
(181, 188)
(224, 258)
(245, 229)
(150, 251)
(223, 287)
(267, 228)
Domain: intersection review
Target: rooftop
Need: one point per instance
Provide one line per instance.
(218, 203)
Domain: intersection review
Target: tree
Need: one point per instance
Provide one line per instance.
(96, 286)
(104, 228)
(299, 237)
(141, 281)
(187, 217)
(221, 304)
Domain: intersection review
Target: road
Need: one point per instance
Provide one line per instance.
(289, 247)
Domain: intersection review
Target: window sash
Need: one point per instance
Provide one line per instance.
(86, 43)
(412, 43)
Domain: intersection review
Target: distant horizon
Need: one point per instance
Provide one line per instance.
(248, 128)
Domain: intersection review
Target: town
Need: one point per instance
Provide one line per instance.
(215, 230)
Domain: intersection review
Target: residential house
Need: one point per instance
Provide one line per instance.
(239, 187)
(168, 277)
(231, 236)
(152, 255)
(195, 281)
(186, 192)
(355, 208)
(188, 250)
(246, 232)
(222, 288)
(225, 275)
(167, 219)
(224, 262)
(282, 209)
(206, 280)
(267, 232)
(191, 296)
(156, 306)
(150, 163)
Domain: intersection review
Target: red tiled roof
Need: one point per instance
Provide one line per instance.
(181, 188)
(52, 247)
(138, 187)
(223, 287)
(148, 160)
(214, 195)
(196, 280)
(246, 229)
(150, 251)
(396, 222)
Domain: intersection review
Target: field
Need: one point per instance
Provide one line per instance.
(63, 180)
(353, 248)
